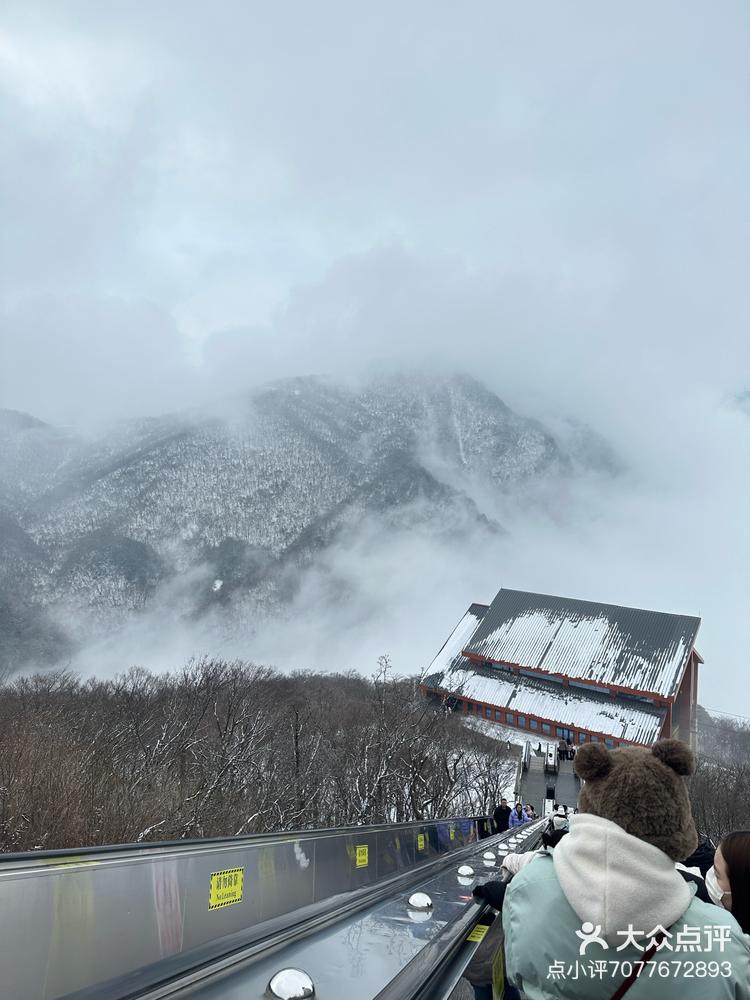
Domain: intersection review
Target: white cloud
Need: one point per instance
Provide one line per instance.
(554, 199)
(94, 359)
(70, 74)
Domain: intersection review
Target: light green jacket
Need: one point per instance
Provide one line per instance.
(540, 935)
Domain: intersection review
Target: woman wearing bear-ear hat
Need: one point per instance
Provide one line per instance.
(617, 897)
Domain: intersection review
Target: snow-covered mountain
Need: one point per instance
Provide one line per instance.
(220, 510)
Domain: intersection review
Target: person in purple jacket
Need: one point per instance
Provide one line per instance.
(519, 815)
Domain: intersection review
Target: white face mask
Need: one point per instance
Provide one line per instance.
(715, 891)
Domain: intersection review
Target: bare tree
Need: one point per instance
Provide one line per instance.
(720, 787)
(223, 748)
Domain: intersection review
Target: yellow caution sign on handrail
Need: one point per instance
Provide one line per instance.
(363, 856)
(226, 888)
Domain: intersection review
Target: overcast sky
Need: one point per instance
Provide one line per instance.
(198, 197)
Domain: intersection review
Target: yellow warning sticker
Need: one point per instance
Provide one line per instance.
(226, 888)
(452, 832)
(478, 933)
(363, 856)
(420, 841)
(498, 975)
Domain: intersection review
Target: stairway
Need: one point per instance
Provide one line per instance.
(534, 783)
(567, 784)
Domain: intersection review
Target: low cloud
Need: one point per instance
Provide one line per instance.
(633, 539)
(94, 361)
(625, 541)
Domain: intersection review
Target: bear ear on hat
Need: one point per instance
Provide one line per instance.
(592, 761)
(675, 754)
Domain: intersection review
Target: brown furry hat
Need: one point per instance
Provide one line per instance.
(642, 791)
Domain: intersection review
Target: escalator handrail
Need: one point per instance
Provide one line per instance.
(417, 979)
(214, 843)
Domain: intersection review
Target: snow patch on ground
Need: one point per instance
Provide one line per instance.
(502, 734)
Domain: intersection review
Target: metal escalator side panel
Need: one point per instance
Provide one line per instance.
(73, 921)
(359, 954)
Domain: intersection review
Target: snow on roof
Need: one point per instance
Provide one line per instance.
(570, 707)
(450, 651)
(601, 643)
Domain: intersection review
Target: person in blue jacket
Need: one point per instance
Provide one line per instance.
(518, 815)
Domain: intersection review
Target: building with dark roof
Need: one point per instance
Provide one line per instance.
(567, 669)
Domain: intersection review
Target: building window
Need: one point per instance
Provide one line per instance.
(636, 697)
(488, 713)
(594, 738)
(560, 732)
(522, 721)
(511, 719)
(581, 737)
(533, 724)
(610, 744)
(588, 687)
(498, 715)
(546, 728)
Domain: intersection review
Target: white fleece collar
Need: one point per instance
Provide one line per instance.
(616, 880)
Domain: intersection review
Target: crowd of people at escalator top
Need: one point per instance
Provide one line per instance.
(505, 818)
(623, 899)
(566, 750)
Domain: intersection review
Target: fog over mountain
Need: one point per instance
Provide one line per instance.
(213, 517)
(365, 314)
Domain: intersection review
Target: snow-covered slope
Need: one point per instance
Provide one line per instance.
(247, 494)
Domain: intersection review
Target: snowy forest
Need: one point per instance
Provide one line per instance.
(718, 789)
(227, 748)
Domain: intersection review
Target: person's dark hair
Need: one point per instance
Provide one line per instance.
(703, 856)
(551, 838)
(735, 849)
